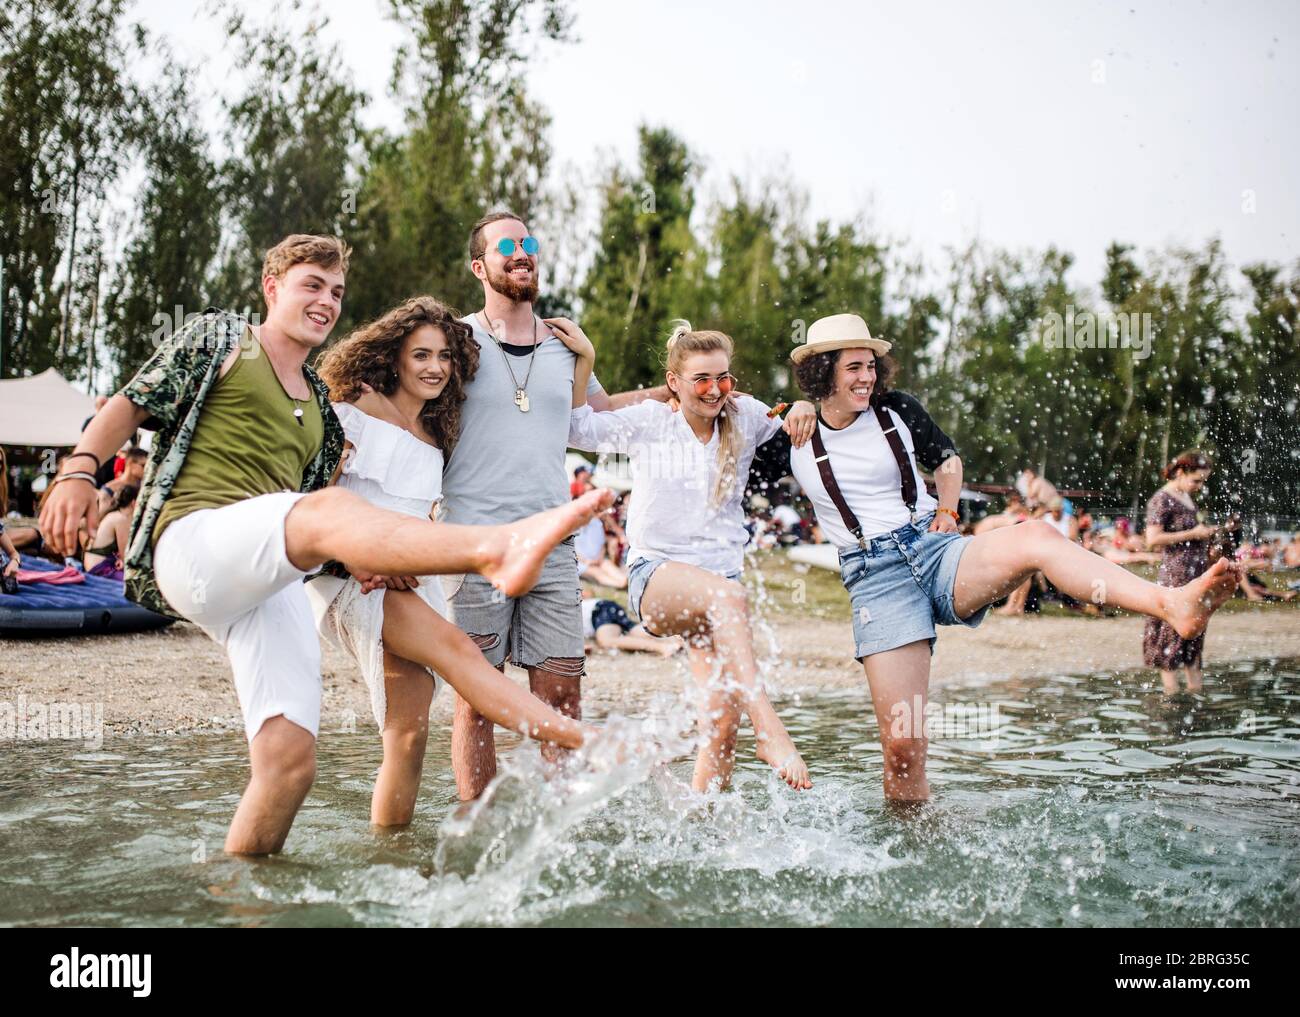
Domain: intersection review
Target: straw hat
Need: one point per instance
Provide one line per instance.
(839, 332)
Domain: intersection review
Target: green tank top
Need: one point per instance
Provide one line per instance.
(247, 443)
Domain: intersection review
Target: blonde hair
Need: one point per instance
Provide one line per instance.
(684, 341)
(304, 248)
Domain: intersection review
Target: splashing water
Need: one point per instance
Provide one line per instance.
(1096, 801)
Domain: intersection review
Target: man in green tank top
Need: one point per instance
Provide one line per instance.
(234, 454)
(235, 512)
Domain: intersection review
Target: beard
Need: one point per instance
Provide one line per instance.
(511, 288)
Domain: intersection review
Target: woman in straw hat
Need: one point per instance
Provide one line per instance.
(901, 558)
(687, 533)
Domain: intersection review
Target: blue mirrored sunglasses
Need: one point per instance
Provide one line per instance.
(507, 246)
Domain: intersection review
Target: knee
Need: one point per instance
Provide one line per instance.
(1040, 532)
(724, 722)
(558, 682)
(314, 517)
(904, 757)
(729, 603)
(404, 742)
(564, 671)
(287, 762)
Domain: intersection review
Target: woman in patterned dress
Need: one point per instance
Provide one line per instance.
(1184, 542)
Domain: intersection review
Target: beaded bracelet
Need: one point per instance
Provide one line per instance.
(955, 518)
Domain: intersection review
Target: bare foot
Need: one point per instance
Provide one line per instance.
(1009, 612)
(781, 755)
(519, 549)
(1191, 605)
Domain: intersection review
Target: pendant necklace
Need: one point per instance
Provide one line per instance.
(521, 391)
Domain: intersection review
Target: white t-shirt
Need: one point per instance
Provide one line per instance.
(590, 540)
(673, 474)
(1061, 526)
(868, 477)
(588, 609)
(785, 516)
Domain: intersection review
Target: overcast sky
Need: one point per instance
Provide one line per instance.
(1022, 123)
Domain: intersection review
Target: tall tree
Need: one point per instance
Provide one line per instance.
(647, 270)
(66, 131)
(474, 140)
(165, 271)
(295, 139)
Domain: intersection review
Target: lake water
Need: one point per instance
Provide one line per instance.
(1091, 801)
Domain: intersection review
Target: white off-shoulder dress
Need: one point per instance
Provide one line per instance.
(391, 468)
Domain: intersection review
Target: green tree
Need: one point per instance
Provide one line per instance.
(165, 271)
(66, 131)
(473, 141)
(647, 269)
(295, 139)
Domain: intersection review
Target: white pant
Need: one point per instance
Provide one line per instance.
(226, 570)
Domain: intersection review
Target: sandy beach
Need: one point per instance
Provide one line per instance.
(177, 680)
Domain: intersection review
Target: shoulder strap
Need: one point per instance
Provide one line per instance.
(823, 460)
(900, 456)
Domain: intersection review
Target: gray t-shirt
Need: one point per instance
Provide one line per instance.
(508, 464)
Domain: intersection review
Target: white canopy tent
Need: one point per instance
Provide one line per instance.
(42, 410)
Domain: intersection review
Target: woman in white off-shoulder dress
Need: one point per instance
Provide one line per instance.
(398, 385)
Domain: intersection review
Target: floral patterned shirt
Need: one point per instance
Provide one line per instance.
(171, 387)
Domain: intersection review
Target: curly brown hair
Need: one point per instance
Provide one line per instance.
(816, 375)
(369, 356)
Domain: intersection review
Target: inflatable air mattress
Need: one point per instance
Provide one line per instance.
(76, 609)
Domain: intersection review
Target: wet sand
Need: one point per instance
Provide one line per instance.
(177, 680)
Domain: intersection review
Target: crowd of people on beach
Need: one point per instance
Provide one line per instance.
(406, 500)
(101, 553)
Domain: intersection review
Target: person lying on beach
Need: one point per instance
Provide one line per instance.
(235, 512)
(606, 626)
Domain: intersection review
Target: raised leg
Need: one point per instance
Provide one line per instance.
(998, 561)
(414, 630)
(336, 524)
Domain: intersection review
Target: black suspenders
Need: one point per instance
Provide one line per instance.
(823, 460)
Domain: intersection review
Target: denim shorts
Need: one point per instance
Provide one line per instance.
(637, 578)
(901, 585)
(545, 622)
